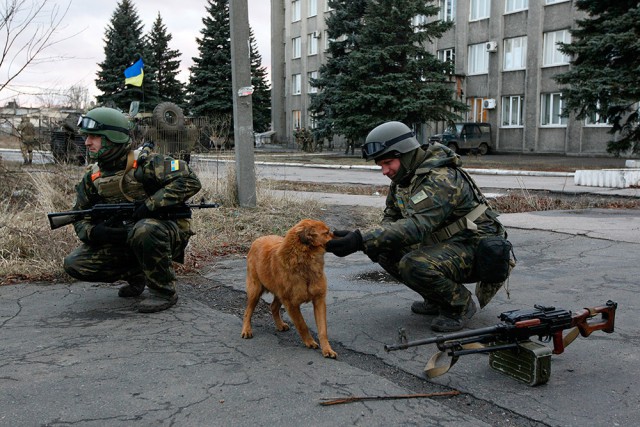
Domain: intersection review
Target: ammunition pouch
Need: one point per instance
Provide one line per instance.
(492, 260)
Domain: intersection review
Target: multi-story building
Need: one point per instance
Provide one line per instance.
(505, 54)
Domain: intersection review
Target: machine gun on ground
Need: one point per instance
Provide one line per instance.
(122, 211)
(511, 350)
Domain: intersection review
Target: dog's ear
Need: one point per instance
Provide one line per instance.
(306, 236)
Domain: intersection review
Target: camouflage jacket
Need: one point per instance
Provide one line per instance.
(27, 132)
(160, 181)
(438, 194)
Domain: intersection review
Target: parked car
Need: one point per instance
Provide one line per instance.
(462, 137)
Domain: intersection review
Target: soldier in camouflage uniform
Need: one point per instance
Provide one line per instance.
(27, 139)
(428, 193)
(139, 250)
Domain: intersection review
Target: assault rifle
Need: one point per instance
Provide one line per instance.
(511, 350)
(122, 211)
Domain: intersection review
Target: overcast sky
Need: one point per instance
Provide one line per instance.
(89, 19)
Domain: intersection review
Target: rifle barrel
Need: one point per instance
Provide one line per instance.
(445, 338)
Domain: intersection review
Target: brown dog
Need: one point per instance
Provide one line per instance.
(292, 269)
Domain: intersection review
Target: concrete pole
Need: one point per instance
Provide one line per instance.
(242, 107)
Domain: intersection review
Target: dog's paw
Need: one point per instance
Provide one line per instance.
(330, 353)
(311, 344)
(247, 334)
(282, 327)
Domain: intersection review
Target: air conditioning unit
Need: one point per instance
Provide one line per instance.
(492, 46)
(316, 34)
(489, 104)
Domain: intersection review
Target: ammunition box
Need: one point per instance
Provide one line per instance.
(529, 363)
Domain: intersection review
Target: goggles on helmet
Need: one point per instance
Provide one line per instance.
(373, 149)
(88, 125)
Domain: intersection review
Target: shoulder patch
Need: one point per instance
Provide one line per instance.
(171, 165)
(419, 196)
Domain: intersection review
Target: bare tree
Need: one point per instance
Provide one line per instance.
(28, 28)
(74, 97)
(77, 97)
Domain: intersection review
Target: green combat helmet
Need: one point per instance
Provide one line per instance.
(112, 125)
(107, 122)
(390, 139)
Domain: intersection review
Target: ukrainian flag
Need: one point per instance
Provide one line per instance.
(134, 74)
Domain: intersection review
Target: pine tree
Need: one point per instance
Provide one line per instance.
(261, 98)
(209, 87)
(123, 46)
(379, 69)
(167, 63)
(344, 24)
(603, 80)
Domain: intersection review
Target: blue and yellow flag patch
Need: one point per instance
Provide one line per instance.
(172, 165)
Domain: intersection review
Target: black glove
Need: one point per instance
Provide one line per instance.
(141, 211)
(102, 233)
(346, 243)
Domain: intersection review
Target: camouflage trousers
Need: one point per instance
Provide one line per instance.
(437, 272)
(147, 257)
(26, 148)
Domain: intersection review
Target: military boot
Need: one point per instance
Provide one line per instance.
(133, 289)
(157, 302)
(452, 322)
(425, 307)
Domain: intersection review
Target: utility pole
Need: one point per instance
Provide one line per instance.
(242, 106)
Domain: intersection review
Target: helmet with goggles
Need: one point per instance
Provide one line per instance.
(390, 139)
(108, 122)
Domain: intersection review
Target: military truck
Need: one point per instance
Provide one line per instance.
(464, 137)
(174, 133)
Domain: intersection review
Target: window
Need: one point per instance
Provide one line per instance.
(447, 10)
(448, 55)
(512, 107)
(296, 43)
(478, 59)
(295, 10)
(551, 56)
(480, 9)
(551, 109)
(312, 43)
(296, 119)
(515, 53)
(312, 121)
(515, 5)
(418, 20)
(296, 84)
(596, 119)
(312, 7)
(554, 1)
(476, 112)
(312, 76)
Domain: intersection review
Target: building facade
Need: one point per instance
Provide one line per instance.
(505, 55)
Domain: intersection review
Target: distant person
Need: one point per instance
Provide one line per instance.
(434, 222)
(350, 145)
(27, 139)
(140, 249)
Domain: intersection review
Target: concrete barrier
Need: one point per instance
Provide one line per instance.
(614, 178)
